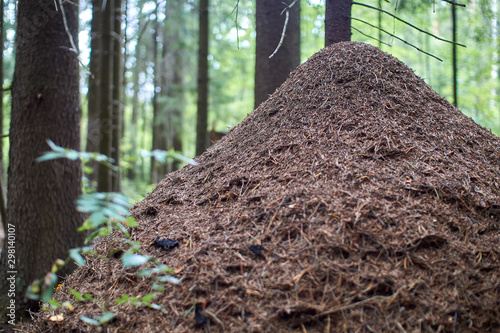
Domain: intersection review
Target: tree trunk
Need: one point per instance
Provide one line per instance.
(202, 140)
(94, 87)
(158, 116)
(178, 110)
(134, 121)
(42, 215)
(270, 73)
(174, 69)
(106, 101)
(454, 52)
(337, 21)
(2, 199)
(117, 93)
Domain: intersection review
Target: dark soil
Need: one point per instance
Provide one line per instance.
(355, 199)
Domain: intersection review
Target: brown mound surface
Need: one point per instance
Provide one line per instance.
(375, 203)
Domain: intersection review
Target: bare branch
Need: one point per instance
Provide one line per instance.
(72, 42)
(236, 9)
(73, 48)
(407, 23)
(287, 10)
(361, 32)
(392, 35)
(6, 89)
(454, 3)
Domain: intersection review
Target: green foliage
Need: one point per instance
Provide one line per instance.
(107, 213)
(98, 320)
(162, 156)
(71, 154)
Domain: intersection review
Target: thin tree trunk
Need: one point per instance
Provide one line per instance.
(106, 101)
(454, 52)
(337, 21)
(94, 85)
(379, 14)
(202, 140)
(133, 127)
(123, 63)
(157, 119)
(42, 215)
(176, 89)
(117, 93)
(2, 39)
(134, 120)
(270, 73)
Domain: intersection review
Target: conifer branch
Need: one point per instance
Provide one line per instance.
(398, 38)
(407, 23)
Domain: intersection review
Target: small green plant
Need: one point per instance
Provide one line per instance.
(107, 213)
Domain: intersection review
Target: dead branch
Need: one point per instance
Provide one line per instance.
(454, 3)
(398, 38)
(407, 23)
(287, 10)
(366, 35)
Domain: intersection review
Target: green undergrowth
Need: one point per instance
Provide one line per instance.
(107, 213)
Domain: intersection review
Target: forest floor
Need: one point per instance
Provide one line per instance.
(355, 199)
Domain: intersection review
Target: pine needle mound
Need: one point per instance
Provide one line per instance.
(355, 199)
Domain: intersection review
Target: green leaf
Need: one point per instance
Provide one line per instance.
(158, 287)
(77, 295)
(33, 291)
(168, 278)
(155, 306)
(106, 317)
(99, 232)
(144, 273)
(188, 311)
(123, 299)
(55, 304)
(49, 289)
(90, 321)
(77, 257)
(72, 154)
(88, 170)
(131, 222)
(148, 298)
(133, 259)
(50, 155)
(123, 229)
(87, 225)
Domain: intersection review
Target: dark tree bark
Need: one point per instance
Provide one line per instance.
(202, 140)
(106, 101)
(117, 93)
(337, 21)
(270, 73)
(159, 118)
(133, 123)
(94, 85)
(3, 212)
(45, 105)
(174, 69)
(177, 93)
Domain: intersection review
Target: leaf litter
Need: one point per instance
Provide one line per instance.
(355, 199)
